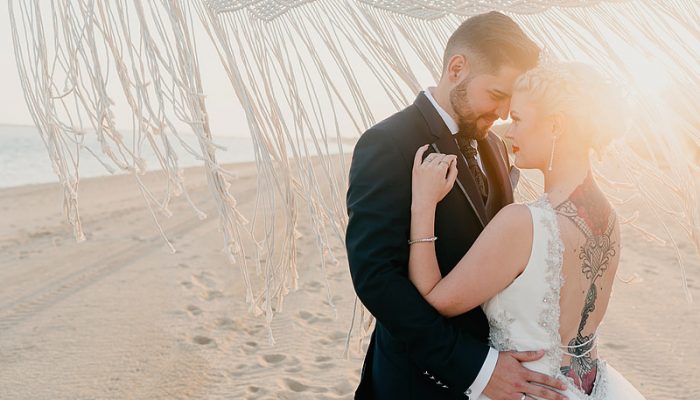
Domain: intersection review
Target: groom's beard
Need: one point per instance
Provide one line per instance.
(476, 127)
(467, 120)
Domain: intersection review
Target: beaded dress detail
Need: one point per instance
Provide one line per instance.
(525, 315)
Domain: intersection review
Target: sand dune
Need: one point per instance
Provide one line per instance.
(118, 316)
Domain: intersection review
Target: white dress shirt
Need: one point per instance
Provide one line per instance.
(482, 379)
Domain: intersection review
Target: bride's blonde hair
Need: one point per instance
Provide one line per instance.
(593, 105)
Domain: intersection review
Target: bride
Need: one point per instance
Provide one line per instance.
(542, 272)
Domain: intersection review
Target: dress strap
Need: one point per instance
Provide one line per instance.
(586, 343)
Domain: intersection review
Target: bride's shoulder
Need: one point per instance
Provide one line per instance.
(516, 211)
(511, 229)
(513, 220)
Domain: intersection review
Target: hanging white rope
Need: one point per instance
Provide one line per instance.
(301, 70)
(67, 53)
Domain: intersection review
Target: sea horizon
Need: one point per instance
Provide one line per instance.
(24, 159)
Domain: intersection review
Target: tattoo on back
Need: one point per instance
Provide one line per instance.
(588, 209)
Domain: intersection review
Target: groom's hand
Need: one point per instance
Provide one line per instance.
(510, 380)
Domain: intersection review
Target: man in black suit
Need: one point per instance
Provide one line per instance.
(415, 353)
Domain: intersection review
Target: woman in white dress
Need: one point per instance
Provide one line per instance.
(542, 272)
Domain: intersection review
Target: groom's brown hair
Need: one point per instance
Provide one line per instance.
(490, 41)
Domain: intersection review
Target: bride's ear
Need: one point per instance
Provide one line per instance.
(558, 124)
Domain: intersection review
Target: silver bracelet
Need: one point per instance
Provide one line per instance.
(430, 239)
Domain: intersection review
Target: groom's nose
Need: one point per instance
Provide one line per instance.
(503, 109)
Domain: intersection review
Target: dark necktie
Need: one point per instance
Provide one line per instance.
(470, 153)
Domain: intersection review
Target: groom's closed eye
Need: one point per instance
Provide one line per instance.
(498, 95)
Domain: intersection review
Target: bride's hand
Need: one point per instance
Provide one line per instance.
(433, 178)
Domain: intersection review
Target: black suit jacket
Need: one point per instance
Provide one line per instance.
(414, 352)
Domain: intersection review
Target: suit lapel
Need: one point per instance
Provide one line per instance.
(495, 168)
(445, 143)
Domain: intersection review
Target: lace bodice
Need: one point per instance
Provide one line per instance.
(525, 315)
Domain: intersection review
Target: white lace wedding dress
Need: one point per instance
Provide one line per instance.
(525, 315)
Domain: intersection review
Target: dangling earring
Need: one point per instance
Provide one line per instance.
(551, 156)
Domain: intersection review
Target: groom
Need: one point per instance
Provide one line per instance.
(415, 353)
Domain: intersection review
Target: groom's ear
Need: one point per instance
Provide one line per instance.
(456, 66)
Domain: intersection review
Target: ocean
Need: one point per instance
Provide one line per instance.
(24, 159)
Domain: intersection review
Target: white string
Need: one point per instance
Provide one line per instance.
(300, 69)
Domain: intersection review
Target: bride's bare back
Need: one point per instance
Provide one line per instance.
(591, 236)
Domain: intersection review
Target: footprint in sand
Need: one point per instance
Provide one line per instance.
(314, 318)
(272, 359)
(338, 335)
(203, 340)
(250, 348)
(204, 279)
(290, 363)
(299, 387)
(333, 338)
(241, 369)
(305, 315)
(323, 362)
(227, 324)
(186, 284)
(194, 310)
(257, 391)
(255, 330)
(211, 295)
(313, 287)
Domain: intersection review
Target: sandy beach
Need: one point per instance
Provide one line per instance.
(119, 317)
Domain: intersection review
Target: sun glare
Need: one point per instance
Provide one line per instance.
(649, 76)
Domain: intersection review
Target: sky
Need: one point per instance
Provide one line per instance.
(226, 114)
(223, 106)
(13, 109)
